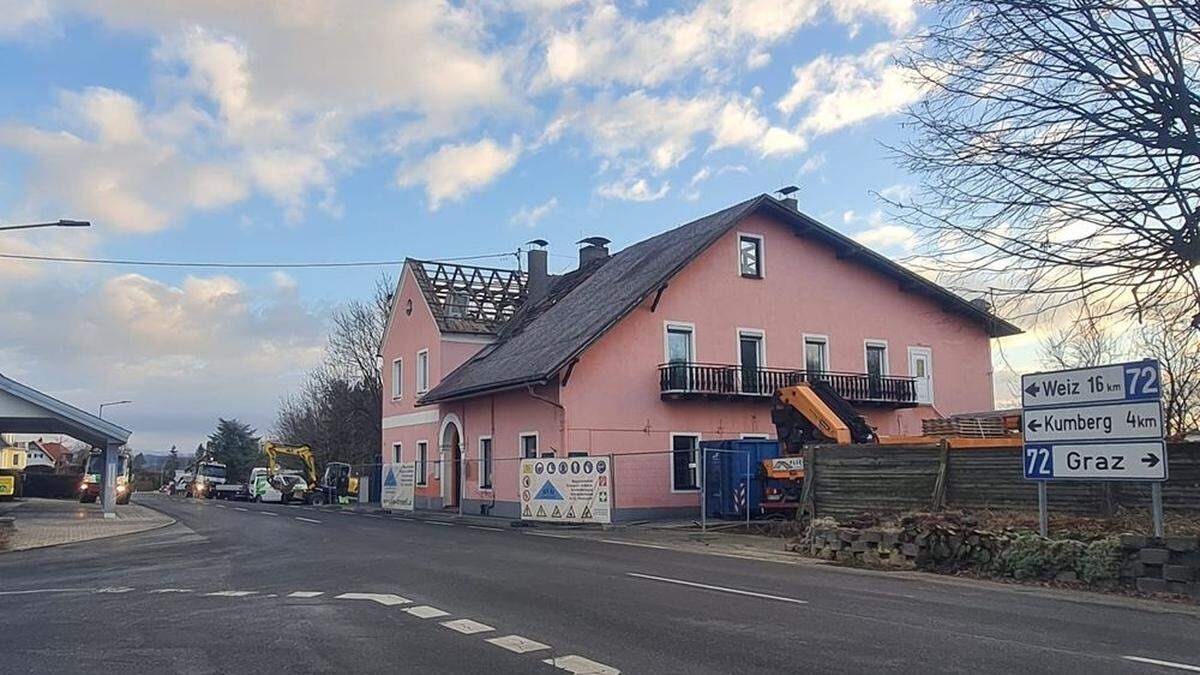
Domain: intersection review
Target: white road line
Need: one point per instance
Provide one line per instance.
(484, 527)
(518, 644)
(551, 536)
(308, 520)
(722, 589)
(1164, 664)
(305, 594)
(382, 598)
(436, 522)
(426, 612)
(230, 594)
(637, 544)
(467, 626)
(47, 590)
(238, 508)
(171, 590)
(220, 506)
(114, 589)
(581, 666)
(268, 513)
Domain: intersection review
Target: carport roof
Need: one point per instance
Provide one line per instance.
(25, 410)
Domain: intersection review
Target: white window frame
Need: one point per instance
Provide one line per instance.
(679, 326)
(422, 370)
(397, 379)
(479, 444)
(817, 337)
(423, 463)
(927, 352)
(762, 344)
(521, 436)
(762, 255)
(887, 356)
(397, 453)
(671, 463)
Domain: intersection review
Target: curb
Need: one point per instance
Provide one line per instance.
(170, 521)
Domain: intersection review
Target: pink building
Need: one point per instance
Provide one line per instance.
(645, 353)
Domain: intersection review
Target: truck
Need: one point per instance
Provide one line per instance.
(93, 478)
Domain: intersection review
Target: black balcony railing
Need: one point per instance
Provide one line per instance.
(714, 380)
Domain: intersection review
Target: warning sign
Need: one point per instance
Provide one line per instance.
(575, 491)
(399, 487)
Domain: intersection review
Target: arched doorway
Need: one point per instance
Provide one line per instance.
(451, 456)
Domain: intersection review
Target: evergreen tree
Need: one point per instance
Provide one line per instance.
(235, 445)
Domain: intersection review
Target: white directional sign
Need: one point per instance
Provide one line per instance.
(1102, 423)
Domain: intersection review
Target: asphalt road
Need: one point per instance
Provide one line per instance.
(249, 587)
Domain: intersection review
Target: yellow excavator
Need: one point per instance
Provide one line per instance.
(337, 484)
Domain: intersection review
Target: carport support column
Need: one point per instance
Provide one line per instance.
(109, 484)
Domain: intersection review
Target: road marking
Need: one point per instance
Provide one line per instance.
(581, 666)
(426, 612)
(552, 536)
(382, 598)
(637, 544)
(1164, 664)
(467, 626)
(436, 522)
(220, 506)
(484, 527)
(47, 590)
(231, 594)
(518, 644)
(305, 594)
(172, 590)
(308, 520)
(268, 513)
(238, 508)
(722, 589)
(114, 589)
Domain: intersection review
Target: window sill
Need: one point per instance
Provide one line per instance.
(685, 491)
(752, 276)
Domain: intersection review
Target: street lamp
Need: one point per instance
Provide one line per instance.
(59, 223)
(111, 403)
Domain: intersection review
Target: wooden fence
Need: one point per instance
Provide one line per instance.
(845, 480)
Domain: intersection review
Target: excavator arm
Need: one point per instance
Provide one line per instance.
(273, 450)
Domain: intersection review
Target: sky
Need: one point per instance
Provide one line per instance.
(321, 131)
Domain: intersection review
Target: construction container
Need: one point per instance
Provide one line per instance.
(733, 477)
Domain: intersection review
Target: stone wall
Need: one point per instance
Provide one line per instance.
(1167, 565)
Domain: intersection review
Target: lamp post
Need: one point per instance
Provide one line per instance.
(58, 223)
(102, 405)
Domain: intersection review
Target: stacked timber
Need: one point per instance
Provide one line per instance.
(966, 427)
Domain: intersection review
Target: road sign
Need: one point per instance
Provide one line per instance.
(1146, 461)
(1141, 420)
(1134, 381)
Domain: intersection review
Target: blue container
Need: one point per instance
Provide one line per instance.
(727, 493)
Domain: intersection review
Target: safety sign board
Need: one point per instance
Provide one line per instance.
(1101, 423)
(572, 490)
(398, 490)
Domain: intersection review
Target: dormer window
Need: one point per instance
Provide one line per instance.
(456, 304)
(750, 258)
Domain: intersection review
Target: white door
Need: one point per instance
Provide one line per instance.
(920, 366)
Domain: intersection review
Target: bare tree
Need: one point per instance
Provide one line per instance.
(1058, 153)
(1177, 349)
(1081, 344)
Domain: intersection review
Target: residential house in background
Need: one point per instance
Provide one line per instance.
(647, 352)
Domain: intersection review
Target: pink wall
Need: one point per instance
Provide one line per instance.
(612, 398)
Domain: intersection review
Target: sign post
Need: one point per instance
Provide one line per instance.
(1095, 424)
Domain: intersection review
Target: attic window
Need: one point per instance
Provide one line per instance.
(750, 256)
(456, 304)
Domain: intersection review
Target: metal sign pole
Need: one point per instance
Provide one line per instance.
(703, 489)
(746, 501)
(1043, 515)
(1156, 506)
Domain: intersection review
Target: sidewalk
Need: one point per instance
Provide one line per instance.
(48, 522)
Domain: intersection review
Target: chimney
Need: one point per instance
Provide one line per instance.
(594, 248)
(538, 283)
(787, 197)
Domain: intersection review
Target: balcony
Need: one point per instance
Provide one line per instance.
(714, 381)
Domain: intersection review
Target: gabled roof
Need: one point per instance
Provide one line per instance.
(54, 450)
(537, 347)
(41, 413)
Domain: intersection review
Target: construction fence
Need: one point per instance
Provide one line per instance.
(846, 480)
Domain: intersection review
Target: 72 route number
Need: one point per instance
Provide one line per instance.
(1039, 462)
(1141, 380)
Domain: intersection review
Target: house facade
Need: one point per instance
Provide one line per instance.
(643, 354)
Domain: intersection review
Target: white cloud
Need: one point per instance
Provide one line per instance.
(19, 17)
(455, 170)
(834, 92)
(899, 15)
(634, 190)
(530, 216)
(879, 233)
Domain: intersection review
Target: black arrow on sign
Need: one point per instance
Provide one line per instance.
(1151, 460)
(1034, 425)
(1032, 389)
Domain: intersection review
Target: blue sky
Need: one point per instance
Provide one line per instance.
(226, 131)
